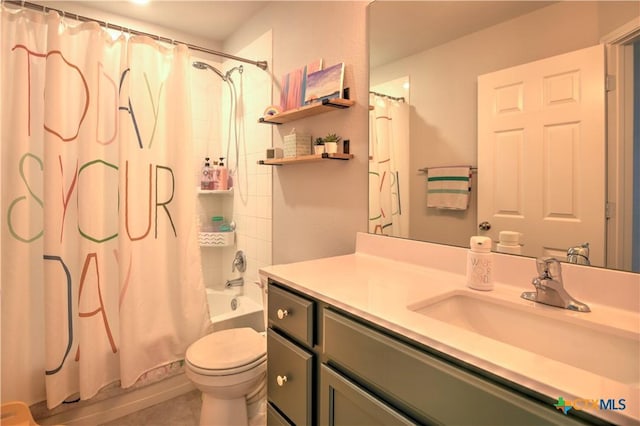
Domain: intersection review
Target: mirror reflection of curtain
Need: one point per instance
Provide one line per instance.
(100, 264)
(388, 167)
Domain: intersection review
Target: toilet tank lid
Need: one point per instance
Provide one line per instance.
(227, 349)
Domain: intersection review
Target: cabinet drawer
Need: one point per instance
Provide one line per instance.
(344, 403)
(274, 418)
(292, 314)
(289, 378)
(425, 387)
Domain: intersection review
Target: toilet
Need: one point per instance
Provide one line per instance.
(229, 367)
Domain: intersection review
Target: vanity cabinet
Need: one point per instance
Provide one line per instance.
(291, 357)
(420, 385)
(343, 370)
(289, 378)
(345, 403)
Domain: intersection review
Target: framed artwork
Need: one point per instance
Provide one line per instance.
(325, 84)
(293, 85)
(309, 69)
(291, 91)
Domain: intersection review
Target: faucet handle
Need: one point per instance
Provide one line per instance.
(239, 262)
(549, 268)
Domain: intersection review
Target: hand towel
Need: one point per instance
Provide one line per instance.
(448, 187)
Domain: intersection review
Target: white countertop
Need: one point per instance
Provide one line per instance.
(379, 290)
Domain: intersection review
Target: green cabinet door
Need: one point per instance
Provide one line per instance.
(289, 378)
(343, 403)
(274, 418)
(423, 386)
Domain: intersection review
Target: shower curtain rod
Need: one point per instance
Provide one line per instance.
(393, 98)
(260, 64)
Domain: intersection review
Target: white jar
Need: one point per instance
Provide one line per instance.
(480, 264)
(509, 242)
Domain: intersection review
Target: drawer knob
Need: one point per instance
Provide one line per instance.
(281, 380)
(282, 313)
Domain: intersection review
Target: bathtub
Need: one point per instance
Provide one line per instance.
(227, 309)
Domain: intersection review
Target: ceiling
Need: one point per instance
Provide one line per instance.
(402, 28)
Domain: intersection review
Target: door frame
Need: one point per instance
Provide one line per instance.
(619, 62)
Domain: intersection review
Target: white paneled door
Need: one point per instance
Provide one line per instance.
(541, 153)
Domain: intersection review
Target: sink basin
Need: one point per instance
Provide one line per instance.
(602, 350)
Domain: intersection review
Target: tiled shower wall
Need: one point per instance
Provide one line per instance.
(250, 204)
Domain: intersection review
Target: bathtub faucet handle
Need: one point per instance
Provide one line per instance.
(239, 262)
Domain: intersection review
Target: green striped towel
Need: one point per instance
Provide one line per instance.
(449, 187)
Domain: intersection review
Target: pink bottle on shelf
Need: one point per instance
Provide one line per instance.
(206, 177)
(222, 175)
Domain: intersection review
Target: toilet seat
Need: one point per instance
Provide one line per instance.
(227, 352)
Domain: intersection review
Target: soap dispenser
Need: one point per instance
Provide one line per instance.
(206, 178)
(480, 264)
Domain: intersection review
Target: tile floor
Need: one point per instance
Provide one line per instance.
(183, 410)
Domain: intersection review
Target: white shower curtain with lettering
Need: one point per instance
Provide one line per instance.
(98, 204)
(388, 167)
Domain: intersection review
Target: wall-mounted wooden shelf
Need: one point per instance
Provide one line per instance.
(307, 111)
(305, 159)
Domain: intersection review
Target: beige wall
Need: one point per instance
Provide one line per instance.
(318, 207)
(443, 93)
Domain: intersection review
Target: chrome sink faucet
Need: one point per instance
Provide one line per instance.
(549, 287)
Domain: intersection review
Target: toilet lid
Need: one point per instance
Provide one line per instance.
(227, 349)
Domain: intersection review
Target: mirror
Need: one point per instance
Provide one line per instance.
(431, 54)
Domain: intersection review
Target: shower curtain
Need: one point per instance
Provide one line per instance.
(98, 205)
(388, 167)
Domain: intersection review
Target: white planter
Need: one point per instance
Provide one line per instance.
(318, 149)
(331, 147)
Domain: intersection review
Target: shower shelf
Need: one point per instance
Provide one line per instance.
(304, 159)
(216, 239)
(215, 191)
(307, 111)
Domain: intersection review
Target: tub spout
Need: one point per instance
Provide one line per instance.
(234, 283)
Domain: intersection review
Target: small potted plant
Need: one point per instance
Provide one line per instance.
(331, 143)
(318, 146)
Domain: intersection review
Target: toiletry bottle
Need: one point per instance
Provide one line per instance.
(214, 174)
(480, 264)
(206, 178)
(216, 223)
(223, 175)
(229, 179)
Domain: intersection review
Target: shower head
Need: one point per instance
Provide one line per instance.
(201, 66)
